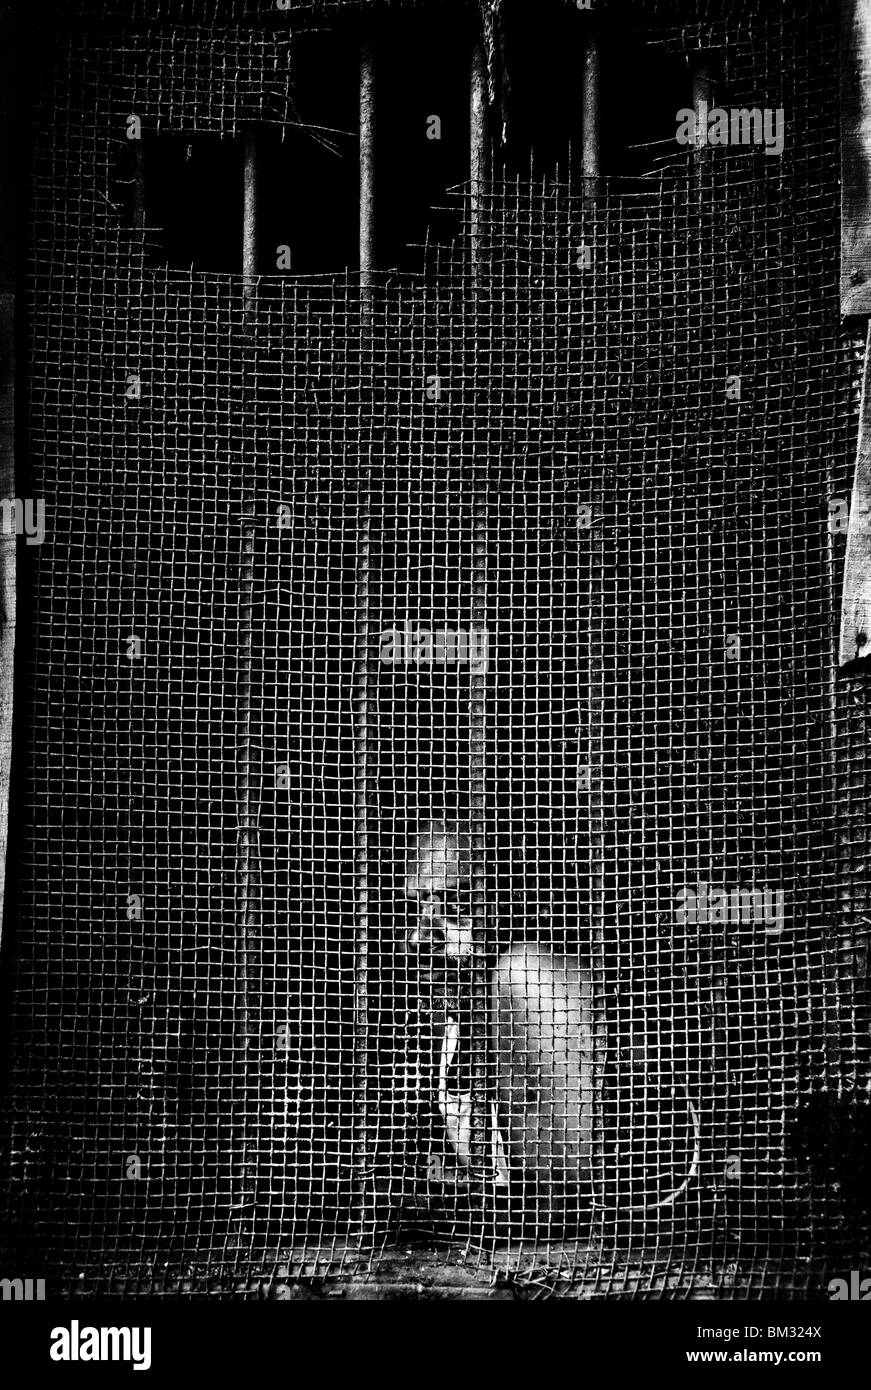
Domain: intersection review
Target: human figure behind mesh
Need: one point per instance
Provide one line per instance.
(539, 1027)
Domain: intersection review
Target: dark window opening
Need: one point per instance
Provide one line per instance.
(307, 179)
(543, 59)
(422, 136)
(193, 201)
(642, 87)
(308, 173)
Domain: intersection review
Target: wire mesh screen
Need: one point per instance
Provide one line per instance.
(536, 548)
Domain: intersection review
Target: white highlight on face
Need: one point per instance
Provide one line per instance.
(453, 934)
(440, 867)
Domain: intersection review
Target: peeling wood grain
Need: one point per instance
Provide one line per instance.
(856, 602)
(856, 156)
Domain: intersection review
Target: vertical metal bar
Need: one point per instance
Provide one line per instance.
(478, 993)
(477, 149)
(701, 79)
(364, 1120)
(249, 222)
(367, 171)
(248, 855)
(7, 432)
(591, 163)
(477, 178)
(479, 1003)
(248, 884)
(700, 96)
(591, 135)
(700, 72)
(478, 677)
(139, 185)
(363, 684)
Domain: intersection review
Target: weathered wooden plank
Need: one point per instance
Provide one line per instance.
(856, 156)
(856, 601)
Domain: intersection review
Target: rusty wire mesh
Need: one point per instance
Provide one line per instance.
(222, 1055)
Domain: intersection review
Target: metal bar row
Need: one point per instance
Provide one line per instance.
(591, 142)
